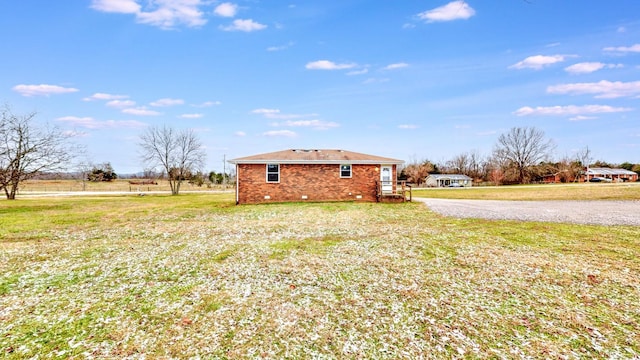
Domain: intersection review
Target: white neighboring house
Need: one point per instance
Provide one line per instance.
(448, 180)
(608, 175)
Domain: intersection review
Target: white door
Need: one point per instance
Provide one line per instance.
(386, 179)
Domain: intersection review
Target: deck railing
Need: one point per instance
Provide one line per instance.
(400, 191)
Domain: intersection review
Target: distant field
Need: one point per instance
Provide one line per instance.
(117, 185)
(196, 276)
(623, 191)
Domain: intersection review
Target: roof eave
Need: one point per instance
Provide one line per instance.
(320, 162)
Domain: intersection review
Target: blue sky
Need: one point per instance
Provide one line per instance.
(404, 79)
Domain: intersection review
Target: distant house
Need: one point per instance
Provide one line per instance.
(559, 177)
(448, 180)
(315, 175)
(609, 174)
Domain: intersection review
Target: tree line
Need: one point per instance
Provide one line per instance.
(521, 155)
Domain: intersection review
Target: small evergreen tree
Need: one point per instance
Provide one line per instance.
(102, 172)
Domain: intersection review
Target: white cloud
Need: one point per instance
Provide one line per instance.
(358, 72)
(264, 111)
(283, 133)
(589, 67)
(568, 110)
(454, 10)
(165, 14)
(91, 123)
(167, 102)
(116, 6)
(191, 116)
(120, 104)
(276, 48)
(624, 49)
(288, 116)
(141, 111)
(42, 90)
(328, 65)
(240, 133)
(207, 104)
(226, 10)
(276, 114)
(603, 89)
(537, 62)
(395, 66)
(582, 118)
(281, 47)
(244, 25)
(315, 124)
(408, 126)
(103, 96)
(584, 68)
(78, 121)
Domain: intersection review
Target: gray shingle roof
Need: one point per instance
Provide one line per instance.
(609, 171)
(315, 156)
(449, 176)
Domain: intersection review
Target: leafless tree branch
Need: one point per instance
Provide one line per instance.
(179, 153)
(27, 150)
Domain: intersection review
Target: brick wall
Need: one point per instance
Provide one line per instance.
(316, 182)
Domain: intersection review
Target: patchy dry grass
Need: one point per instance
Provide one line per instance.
(590, 191)
(189, 276)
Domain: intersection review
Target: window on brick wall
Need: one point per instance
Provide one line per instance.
(273, 173)
(345, 171)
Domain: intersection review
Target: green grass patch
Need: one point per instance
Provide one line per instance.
(22, 219)
(315, 245)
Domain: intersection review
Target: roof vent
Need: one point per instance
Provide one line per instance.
(305, 150)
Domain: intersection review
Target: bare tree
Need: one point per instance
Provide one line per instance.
(568, 170)
(27, 150)
(83, 169)
(520, 149)
(459, 164)
(416, 172)
(179, 153)
(468, 163)
(584, 157)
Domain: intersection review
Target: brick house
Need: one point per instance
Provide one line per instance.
(315, 175)
(609, 174)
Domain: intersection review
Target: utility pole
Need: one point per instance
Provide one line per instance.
(224, 172)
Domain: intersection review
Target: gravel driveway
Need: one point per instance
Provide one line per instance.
(600, 212)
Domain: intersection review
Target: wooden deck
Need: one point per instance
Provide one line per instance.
(401, 193)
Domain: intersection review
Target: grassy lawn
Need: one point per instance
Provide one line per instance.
(37, 186)
(622, 191)
(194, 275)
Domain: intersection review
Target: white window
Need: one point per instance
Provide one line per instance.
(273, 173)
(345, 171)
